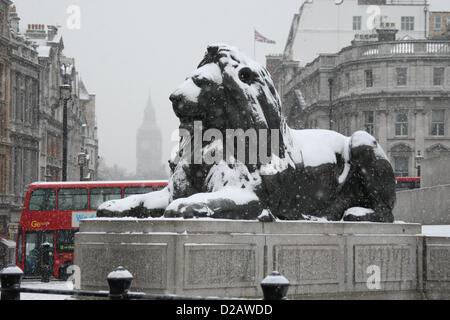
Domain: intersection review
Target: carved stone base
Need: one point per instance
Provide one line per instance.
(226, 258)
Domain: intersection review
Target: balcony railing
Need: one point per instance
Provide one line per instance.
(382, 50)
(406, 2)
(401, 48)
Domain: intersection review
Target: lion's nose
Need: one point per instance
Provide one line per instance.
(174, 98)
(177, 102)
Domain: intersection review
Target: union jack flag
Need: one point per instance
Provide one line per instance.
(259, 37)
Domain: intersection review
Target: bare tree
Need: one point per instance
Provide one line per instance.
(113, 172)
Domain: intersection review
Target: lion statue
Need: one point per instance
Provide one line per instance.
(238, 159)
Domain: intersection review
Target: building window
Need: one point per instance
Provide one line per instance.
(437, 23)
(357, 22)
(437, 122)
(448, 22)
(402, 74)
(369, 78)
(401, 123)
(407, 23)
(401, 165)
(369, 121)
(438, 76)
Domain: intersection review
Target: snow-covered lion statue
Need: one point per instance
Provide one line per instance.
(306, 175)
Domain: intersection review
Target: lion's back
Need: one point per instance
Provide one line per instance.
(319, 146)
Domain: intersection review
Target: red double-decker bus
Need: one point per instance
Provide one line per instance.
(52, 212)
(405, 183)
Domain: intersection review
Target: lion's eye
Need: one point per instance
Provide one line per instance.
(246, 75)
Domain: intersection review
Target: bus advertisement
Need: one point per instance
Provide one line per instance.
(52, 212)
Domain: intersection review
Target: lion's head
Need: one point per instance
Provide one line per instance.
(229, 91)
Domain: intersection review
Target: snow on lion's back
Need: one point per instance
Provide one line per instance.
(319, 146)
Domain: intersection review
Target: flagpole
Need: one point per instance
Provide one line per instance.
(254, 44)
(261, 38)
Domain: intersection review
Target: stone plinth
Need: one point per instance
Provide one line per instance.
(230, 258)
(437, 267)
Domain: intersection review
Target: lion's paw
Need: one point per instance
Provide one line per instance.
(189, 211)
(358, 214)
(266, 216)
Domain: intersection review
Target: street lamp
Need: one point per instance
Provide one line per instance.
(419, 157)
(65, 91)
(330, 85)
(425, 10)
(82, 160)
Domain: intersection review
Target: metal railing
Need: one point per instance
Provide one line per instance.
(406, 2)
(274, 287)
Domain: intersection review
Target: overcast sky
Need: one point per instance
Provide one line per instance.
(126, 49)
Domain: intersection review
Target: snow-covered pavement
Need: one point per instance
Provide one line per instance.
(56, 285)
(436, 231)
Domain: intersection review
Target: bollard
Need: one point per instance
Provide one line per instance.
(119, 282)
(10, 279)
(275, 286)
(45, 262)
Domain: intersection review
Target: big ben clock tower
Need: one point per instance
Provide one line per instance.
(148, 147)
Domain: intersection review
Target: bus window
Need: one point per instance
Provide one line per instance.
(33, 243)
(136, 190)
(32, 253)
(160, 188)
(65, 240)
(72, 199)
(43, 200)
(19, 247)
(100, 195)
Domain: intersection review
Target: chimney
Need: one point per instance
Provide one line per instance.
(387, 32)
(36, 31)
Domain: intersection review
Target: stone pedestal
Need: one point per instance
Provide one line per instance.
(226, 258)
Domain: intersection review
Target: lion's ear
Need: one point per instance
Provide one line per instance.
(212, 50)
(210, 55)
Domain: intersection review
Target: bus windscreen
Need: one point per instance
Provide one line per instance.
(72, 199)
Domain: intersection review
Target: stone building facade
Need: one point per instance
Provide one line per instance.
(31, 112)
(399, 91)
(89, 133)
(80, 107)
(5, 143)
(23, 126)
(50, 110)
(439, 25)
